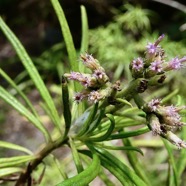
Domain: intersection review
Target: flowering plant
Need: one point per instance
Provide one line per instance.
(89, 131)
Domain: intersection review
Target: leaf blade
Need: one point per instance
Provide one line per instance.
(32, 71)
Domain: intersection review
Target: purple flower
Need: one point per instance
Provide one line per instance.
(94, 96)
(137, 64)
(79, 96)
(153, 104)
(73, 75)
(151, 48)
(90, 62)
(156, 66)
(175, 64)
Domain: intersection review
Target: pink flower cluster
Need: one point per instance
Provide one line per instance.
(165, 119)
(95, 84)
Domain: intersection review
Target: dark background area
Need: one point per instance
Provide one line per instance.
(36, 24)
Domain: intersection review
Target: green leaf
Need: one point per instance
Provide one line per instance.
(97, 122)
(113, 168)
(7, 97)
(109, 131)
(8, 171)
(172, 162)
(8, 145)
(32, 71)
(89, 120)
(135, 163)
(86, 176)
(74, 66)
(125, 102)
(132, 176)
(127, 148)
(11, 82)
(14, 161)
(66, 105)
(130, 133)
(76, 157)
(84, 39)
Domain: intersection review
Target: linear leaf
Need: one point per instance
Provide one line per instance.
(32, 71)
(108, 132)
(130, 133)
(84, 22)
(126, 170)
(8, 98)
(86, 176)
(11, 82)
(66, 105)
(14, 161)
(172, 162)
(76, 157)
(8, 171)
(8, 145)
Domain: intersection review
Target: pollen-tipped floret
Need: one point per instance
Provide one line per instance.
(164, 119)
(96, 84)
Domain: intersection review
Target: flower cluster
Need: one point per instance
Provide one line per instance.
(164, 120)
(96, 85)
(154, 62)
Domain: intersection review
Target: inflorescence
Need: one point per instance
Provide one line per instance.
(162, 120)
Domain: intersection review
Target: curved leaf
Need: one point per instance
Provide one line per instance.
(8, 145)
(14, 161)
(109, 131)
(88, 121)
(7, 97)
(132, 176)
(86, 176)
(130, 133)
(32, 71)
(8, 171)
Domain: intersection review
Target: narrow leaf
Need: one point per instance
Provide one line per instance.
(66, 105)
(89, 120)
(84, 39)
(8, 171)
(8, 145)
(7, 97)
(74, 66)
(127, 148)
(128, 172)
(11, 82)
(32, 71)
(14, 161)
(172, 162)
(86, 176)
(76, 157)
(109, 131)
(129, 134)
(134, 161)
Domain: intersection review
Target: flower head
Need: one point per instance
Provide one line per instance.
(156, 66)
(175, 64)
(79, 96)
(153, 104)
(94, 96)
(151, 48)
(137, 64)
(90, 62)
